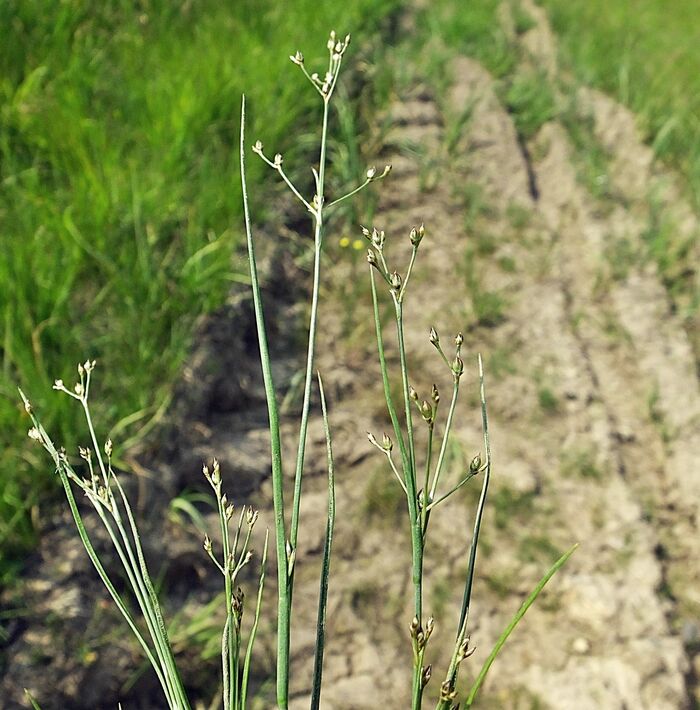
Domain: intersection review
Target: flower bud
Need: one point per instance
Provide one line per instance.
(435, 394)
(371, 173)
(475, 464)
(459, 339)
(387, 443)
(457, 366)
(417, 235)
(434, 337)
(395, 281)
(297, 58)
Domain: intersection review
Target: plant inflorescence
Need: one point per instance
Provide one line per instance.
(419, 480)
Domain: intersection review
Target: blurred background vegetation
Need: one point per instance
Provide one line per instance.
(120, 199)
(120, 202)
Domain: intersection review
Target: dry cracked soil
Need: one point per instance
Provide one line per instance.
(594, 409)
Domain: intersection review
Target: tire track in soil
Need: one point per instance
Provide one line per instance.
(599, 468)
(611, 461)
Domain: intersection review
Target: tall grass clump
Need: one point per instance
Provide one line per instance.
(120, 203)
(418, 475)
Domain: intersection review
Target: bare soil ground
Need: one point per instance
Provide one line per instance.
(594, 406)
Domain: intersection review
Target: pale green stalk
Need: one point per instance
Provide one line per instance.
(452, 671)
(445, 439)
(311, 349)
(283, 607)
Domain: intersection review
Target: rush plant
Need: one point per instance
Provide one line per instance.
(418, 477)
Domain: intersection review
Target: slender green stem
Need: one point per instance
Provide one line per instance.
(63, 471)
(290, 184)
(350, 194)
(435, 502)
(414, 515)
(464, 614)
(445, 438)
(515, 621)
(283, 617)
(466, 600)
(254, 629)
(385, 374)
(149, 602)
(428, 463)
(411, 264)
(227, 640)
(326, 564)
(311, 349)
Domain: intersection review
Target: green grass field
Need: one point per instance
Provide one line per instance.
(120, 203)
(645, 53)
(120, 200)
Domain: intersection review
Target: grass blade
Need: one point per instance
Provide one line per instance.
(514, 622)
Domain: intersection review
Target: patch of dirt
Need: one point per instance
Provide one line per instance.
(594, 409)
